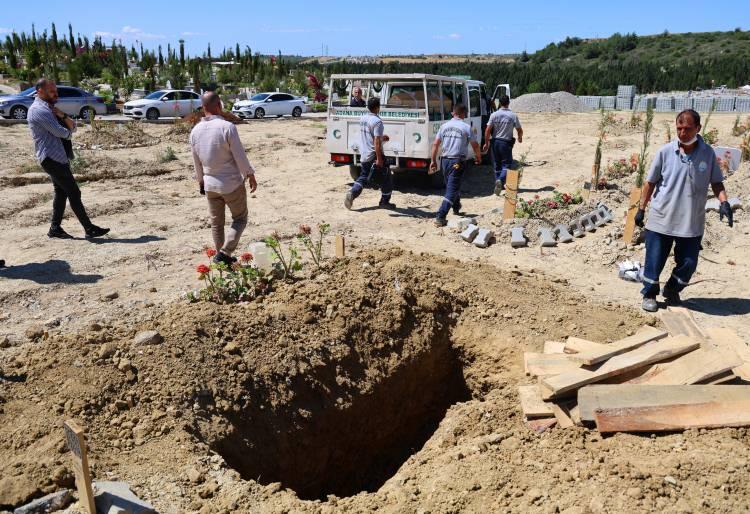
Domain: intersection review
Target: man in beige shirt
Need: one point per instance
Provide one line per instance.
(221, 168)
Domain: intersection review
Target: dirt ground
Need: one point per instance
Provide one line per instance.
(386, 382)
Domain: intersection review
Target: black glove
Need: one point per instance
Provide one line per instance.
(726, 210)
(639, 217)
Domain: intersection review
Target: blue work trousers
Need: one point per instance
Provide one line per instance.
(658, 246)
(453, 173)
(376, 178)
(502, 158)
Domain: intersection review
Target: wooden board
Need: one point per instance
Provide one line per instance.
(695, 367)
(575, 415)
(511, 195)
(638, 408)
(75, 437)
(578, 345)
(563, 419)
(679, 322)
(633, 203)
(655, 351)
(728, 338)
(720, 379)
(541, 425)
(340, 247)
(554, 347)
(543, 364)
(643, 336)
(532, 404)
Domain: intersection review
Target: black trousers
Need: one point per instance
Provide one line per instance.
(65, 189)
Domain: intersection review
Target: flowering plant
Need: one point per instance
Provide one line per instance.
(622, 167)
(711, 137)
(538, 206)
(289, 262)
(223, 284)
(315, 247)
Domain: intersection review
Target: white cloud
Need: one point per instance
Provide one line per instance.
(294, 30)
(191, 34)
(130, 34)
(3, 30)
(452, 35)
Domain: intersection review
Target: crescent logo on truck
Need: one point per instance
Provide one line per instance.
(412, 107)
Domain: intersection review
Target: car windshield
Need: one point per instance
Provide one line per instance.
(259, 97)
(28, 92)
(154, 96)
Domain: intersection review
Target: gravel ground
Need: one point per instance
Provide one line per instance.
(546, 102)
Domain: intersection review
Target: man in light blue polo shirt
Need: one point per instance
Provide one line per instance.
(455, 137)
(499, 134)
(677, 186)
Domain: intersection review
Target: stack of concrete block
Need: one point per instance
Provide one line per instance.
(594, 102)
(642, 103)
(664, 104)
(626, 91)
(742, 104)
(608, 102)
(624, 103)
(682, 102)
(703, 103)
(725, 103)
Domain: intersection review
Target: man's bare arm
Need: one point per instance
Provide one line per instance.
(487, 137)
(477, 153)
(520, 134)
(648, 190)
(379, 157)
(433, 162)
(719, 191)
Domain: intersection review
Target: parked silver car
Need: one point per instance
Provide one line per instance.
(73, 101)
(269, 104)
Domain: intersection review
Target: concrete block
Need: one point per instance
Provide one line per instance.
(597, 218)
(733, 155)
(563, 236)
(517, 239)
(470, 233)
(461, 223)
(604, 213)
(117, 498)
(587, 222)
(483, 238)
(713, 205)
(735, 203)
(577, 229)
(49, 503)
(546, 237)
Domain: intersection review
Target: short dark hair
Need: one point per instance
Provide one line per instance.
(692, 113)
(210, 98)
(504, 100)
(41, 83)
(459, 109)
(373, 104)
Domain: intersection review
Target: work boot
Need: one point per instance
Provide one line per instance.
(94, 231)
(58, 233)
(499, 187)
(349, 200)
(457, 209)
(649, 304)
(222, 258)
(440, 222)
(386, 204)
(671, 296)
(2, 263)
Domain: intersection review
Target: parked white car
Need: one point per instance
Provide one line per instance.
(269, 104)
(163, 103)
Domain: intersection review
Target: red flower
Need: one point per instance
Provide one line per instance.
(210, 252)
(246, 257)
(305, 230)
(202, 269)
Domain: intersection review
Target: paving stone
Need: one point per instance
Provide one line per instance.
(461, 223)
(117, 498)
(728, 153)
(470, 233)
(49, 503)
(483, 238)
(735, 203)
(563, 236)
(517, 239)
(713, 205)
(546, 237)
(587, 222)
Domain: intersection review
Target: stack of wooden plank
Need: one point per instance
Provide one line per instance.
(654, 380)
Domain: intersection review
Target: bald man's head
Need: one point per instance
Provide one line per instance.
(211, 102)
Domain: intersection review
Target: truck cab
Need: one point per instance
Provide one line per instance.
(412, 107)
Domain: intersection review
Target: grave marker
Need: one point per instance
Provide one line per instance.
(74, 434)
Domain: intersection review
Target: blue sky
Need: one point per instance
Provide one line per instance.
(354, 28)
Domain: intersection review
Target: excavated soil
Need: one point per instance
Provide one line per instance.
(385, 383)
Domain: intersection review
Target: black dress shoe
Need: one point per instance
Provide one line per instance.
(95, 231)
(58, 233)
(221, 257)
(2, 263)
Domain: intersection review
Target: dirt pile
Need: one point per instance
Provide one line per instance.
(103, 135)
(560, 101)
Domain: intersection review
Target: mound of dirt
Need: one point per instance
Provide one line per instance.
(388, 377)
(180, 131)
(103, 135)
(560, 101)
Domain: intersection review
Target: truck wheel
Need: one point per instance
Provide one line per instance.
(354, 171)
(152, 114)
(297, 112)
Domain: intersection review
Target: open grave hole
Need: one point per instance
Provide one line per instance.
(322, 437)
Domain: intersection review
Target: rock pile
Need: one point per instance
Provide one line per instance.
(546, 102)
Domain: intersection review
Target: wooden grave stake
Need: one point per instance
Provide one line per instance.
(511, 195)
(340, 247)
(633, 203)
(74, 434)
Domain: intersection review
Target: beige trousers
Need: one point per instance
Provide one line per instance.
(237, 203)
